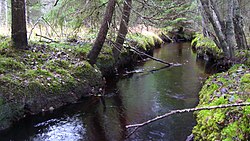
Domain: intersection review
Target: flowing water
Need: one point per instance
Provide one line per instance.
(134, 98)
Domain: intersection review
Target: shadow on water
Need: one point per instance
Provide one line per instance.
(131, 99)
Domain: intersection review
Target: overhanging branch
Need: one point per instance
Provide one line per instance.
(137, 126)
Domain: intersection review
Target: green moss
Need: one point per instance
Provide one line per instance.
(44, 75)
(54, 64)
(38, 72)
(224, 124)
(206, 45)
(245, 83)
(10, 65)
(52, 68)
(4, 42)
(243, 56)
(245, 78)
(83, 50)
(144, 41)
(105, 61)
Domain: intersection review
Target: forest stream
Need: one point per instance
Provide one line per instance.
(131, 99)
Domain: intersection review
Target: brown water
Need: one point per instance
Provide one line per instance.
(131, 99)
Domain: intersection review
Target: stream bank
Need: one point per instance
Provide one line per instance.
(230, 86)
(133, 98)
(50, 75)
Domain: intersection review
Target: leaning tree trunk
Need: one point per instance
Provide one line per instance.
(218, 16)
(238, 27)
(213, 18)
(123, 30)
(18, 25)
(96, 49)
(204, 22)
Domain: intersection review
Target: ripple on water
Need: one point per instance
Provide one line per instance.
(67, 129)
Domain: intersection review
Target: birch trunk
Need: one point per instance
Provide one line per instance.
(3, 13)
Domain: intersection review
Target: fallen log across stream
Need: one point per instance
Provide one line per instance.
(173, 112)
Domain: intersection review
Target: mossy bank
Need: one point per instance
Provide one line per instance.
(227, 124)
(144, 42)
(50, 75)
(41, 78)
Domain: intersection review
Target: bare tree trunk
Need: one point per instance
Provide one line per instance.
(93, 54)
(204, 22)
(3, 13)
(205, 25)
(230, 36)
(6, 13)
(123, 30)
(213, 18)
(18, 25)
(218, 15)
(238, 24)
(28, 12)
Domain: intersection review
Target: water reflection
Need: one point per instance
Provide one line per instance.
(133, 99)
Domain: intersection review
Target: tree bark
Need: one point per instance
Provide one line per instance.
(204, 22)
(123, 30)
(230, 36)
(18, 25)
(238, 24)
(205, 25)
(212, 17)
(96, 49)
(3, 13)
(218, 15)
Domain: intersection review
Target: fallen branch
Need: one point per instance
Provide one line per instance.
(47, 38)
(146, 72)
(50, 26)
(137, 126)
(34, 27)
(166, 37)
(153, 58)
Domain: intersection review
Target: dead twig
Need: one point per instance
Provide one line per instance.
(47, 38)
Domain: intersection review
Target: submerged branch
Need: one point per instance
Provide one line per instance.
(137, 126)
